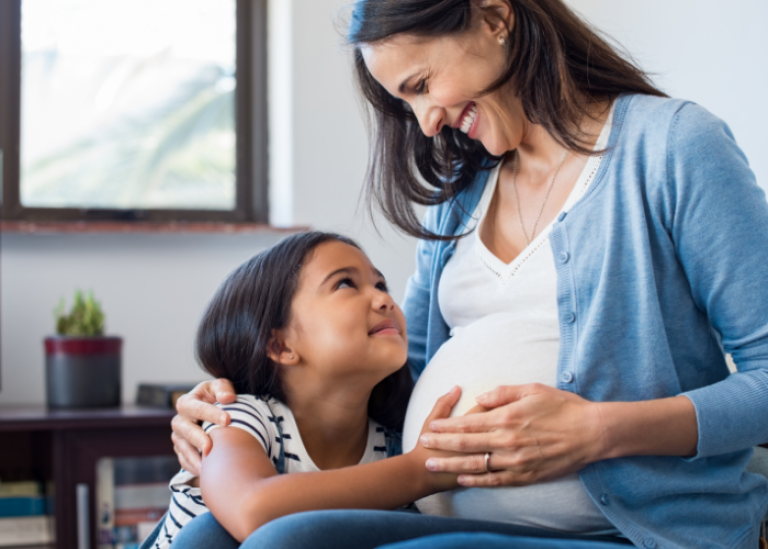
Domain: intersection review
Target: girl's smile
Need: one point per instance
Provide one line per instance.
(385, 327)
(344, 322)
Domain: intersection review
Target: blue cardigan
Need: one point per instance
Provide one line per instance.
(661, 269)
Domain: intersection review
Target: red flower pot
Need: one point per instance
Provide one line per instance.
(83, 372)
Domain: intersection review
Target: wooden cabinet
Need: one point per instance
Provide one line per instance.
(64, 446)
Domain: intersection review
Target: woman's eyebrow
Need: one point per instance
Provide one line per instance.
(401, 87)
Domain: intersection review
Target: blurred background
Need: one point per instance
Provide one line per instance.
(122, 141)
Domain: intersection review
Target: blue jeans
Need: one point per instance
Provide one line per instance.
(353, 529)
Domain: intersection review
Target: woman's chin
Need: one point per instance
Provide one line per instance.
(496, 148)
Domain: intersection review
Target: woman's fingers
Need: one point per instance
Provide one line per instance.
(189, 457)
(474, 421)
(496, 479)
(463, 443)
(472, 470)
(193, 408)
(504, 394)
(224, 391)
(189, 431)
(474, 463)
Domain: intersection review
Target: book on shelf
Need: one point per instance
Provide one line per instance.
(132, 496)
(16, 531)
(25, 506)
(161, 395)
(26, 514)
(20, 488)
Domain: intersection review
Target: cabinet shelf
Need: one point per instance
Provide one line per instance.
(63, 446)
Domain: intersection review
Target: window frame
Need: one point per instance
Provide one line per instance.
(251, 178)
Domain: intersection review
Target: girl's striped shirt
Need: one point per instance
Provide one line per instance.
(271, 423)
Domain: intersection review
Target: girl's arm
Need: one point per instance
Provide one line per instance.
(243, 490)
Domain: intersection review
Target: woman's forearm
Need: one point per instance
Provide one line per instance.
(663, 427)
(385, 484)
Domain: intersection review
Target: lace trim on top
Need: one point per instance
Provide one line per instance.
(505, 271)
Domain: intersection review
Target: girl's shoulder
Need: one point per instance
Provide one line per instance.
(260, 416)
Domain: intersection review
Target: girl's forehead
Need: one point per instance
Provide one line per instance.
(332, 256)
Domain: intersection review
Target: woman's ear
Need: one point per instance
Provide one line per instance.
(497, 16)
(280, 351)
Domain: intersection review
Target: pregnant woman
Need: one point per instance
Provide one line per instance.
(590, 252)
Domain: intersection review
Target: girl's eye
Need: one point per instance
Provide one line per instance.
(345, 283)
(382, 286)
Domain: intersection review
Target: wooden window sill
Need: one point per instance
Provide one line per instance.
(139, 227)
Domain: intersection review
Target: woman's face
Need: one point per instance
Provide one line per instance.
(441, 79)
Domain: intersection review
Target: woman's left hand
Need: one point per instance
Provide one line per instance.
(532, 432)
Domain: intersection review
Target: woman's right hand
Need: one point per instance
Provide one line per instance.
(189, 439)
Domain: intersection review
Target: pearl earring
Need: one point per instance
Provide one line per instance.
(502, 40)
(291, 357)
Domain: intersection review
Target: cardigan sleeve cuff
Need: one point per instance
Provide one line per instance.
(732, 414)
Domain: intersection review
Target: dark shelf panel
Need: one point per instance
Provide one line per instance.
(38, 418)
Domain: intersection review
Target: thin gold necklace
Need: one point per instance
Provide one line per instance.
(546, 197)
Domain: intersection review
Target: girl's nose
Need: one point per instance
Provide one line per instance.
(382, 301)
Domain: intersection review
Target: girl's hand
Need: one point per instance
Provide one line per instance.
(189, 439)
(422, 457)
(532, 432)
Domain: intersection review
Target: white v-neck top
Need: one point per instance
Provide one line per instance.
(504, 331)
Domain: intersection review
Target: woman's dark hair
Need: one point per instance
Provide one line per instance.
(254, 300)
(559, 68)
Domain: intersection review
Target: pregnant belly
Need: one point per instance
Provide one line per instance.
(478, 358)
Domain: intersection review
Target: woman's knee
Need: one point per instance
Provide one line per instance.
(204, 532)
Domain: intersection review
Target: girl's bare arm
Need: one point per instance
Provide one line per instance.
(243, 490)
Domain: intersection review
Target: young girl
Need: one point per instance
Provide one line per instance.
(316, 348)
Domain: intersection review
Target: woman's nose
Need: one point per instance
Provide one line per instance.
(431, 118)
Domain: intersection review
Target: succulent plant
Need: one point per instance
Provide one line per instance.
(86, 318)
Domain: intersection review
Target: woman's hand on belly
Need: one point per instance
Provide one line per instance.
(533, 433)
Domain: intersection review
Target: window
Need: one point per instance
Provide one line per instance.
(133, 110)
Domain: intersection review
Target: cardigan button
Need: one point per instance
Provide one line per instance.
(604, 499)
(649, 543)
(564, 257)
(569, 318)
(566, 377)
(561, 216)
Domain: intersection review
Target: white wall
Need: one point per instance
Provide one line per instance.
(154, 287)
(709, 51)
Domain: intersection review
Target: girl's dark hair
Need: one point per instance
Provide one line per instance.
(557, 65)
(254, 300)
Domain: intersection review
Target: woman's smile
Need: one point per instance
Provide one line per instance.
(466, 123)
(453, 72)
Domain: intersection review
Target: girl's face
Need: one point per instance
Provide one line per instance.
(441, 79)
(343, 320)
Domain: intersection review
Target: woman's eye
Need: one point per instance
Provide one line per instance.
(382, 286)
(345, 283)
(421, 87)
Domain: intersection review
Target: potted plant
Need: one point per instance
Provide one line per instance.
(82, 365)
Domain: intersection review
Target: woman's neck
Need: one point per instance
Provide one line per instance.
(332, 421)
(540, 151)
